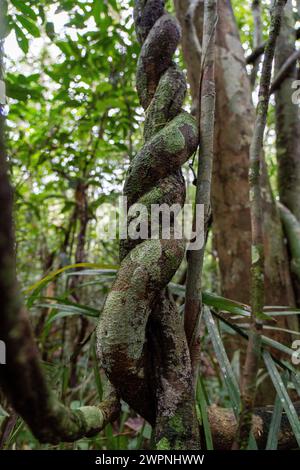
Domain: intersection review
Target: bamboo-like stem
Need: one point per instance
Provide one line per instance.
(248, 386)
(204, 176)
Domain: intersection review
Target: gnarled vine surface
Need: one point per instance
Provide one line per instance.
(140, 337)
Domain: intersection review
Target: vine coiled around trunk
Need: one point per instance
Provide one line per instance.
(140, 338)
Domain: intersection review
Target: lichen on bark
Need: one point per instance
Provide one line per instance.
(141, 341)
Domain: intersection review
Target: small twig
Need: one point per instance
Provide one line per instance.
(284, 71)
(251, 58)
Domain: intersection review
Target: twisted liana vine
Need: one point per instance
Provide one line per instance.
(140, 337)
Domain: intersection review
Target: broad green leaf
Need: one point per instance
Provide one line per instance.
(63, 314)
(24, 8)
(50, 31)
(21, 39)
(98, 8)
(29, 25)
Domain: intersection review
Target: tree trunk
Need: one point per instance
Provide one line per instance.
(230, 194)
(288, 126)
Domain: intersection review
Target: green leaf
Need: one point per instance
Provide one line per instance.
(63, 314)
(29, 25)
(226, 369)
(24, 8)
(275, 344)
(71, 309)
(274, 429)
(38, 286)
(65, 47)
(200, 395)
(50, 31)
(22, 40)
(216, 301)
(283, 395)
(98, 6)
(53, 274)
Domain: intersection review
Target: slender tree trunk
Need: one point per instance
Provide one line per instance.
(257, 248)
(288, 126)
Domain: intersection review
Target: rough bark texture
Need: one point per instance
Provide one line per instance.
(154, 376)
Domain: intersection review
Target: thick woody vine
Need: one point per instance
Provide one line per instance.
(141, 342)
